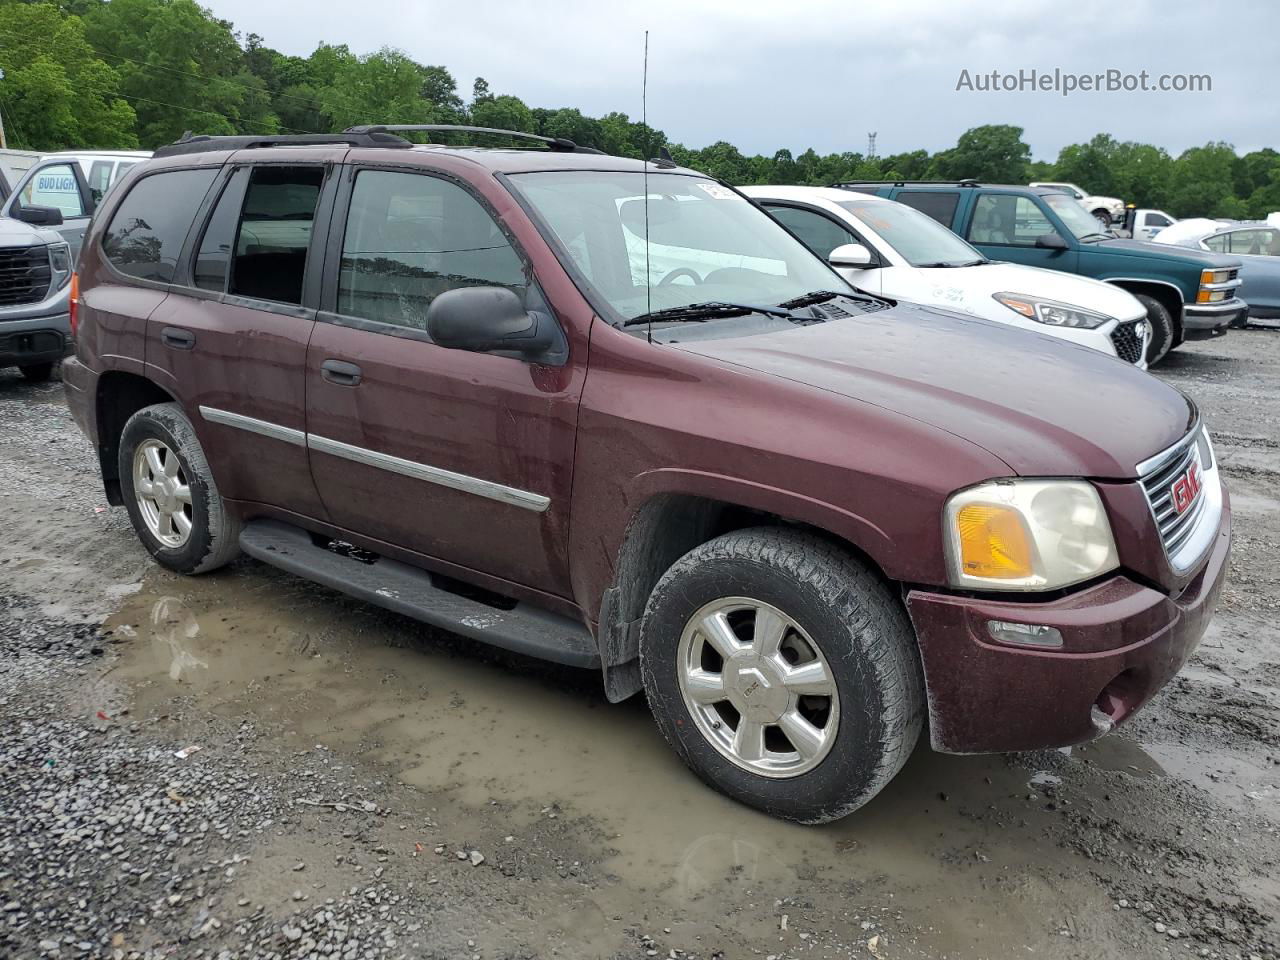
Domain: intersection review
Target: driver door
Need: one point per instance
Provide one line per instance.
(1006, 227)
(58, 183)
(822, 233)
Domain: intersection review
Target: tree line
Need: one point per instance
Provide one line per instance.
(139, 73)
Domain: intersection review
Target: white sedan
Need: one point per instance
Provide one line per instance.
(891, 249)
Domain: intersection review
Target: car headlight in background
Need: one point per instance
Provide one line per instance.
(60, 264)
(1027, 535)
(1051, 312)
(1215, 286)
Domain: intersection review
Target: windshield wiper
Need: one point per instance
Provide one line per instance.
(810, 298)
(709, 310)
(953, 263)
(1100, 236)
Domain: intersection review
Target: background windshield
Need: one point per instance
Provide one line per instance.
(705, 241)
(917, 237)
(1079, 221)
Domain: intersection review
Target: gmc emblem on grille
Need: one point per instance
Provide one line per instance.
(1185, 488)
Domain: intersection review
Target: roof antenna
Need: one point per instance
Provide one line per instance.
(644, 122)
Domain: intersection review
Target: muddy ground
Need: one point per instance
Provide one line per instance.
(367, 787)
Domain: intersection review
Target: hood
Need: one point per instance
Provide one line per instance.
(15, 233)
(1145, 248)
(1044, 406)
(959, 284)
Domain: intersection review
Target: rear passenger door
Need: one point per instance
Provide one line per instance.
(460, 456)
(230, 340)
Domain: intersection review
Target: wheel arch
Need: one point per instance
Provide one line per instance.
(666, 526)
(119, 396)
(1169, 295)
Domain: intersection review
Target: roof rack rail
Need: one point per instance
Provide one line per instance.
(203, 143)
(964, 182)
(560, 144)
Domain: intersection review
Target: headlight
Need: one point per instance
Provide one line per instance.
(60, 264)
(1051, 312)
(1027, 535)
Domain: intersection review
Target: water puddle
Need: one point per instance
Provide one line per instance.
(472, 726)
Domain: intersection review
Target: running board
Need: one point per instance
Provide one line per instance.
(410, 591)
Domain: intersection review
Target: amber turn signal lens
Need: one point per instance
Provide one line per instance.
(994, 542)
(73, 303)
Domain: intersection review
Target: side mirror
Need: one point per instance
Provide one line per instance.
(850, 255)
(38, 216)
(1051, 241)
(489, 320)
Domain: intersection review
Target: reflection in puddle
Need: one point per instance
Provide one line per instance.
(173, 628)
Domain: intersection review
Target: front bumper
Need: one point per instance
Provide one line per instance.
(34, 340)
(1122, 642)
(1200, 321)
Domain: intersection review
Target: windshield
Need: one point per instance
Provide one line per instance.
(918, 238)
(706, 242)
(1079, 221)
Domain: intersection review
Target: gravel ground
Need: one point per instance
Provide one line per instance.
(365, 787)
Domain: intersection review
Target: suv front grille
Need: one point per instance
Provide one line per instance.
(25, 275)
(1176, 491)
(1130, 340)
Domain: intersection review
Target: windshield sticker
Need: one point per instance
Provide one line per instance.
(716, 192)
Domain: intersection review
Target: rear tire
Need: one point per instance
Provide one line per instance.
(37, 372)
(846, 649)
(1163, 333)
(170, 493)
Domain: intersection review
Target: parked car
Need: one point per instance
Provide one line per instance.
(1188, 294)
(35, 274)
(13, 164)
(800, 517)
(1106, 210)
(1144, 224)
(1256, 243)
(896, 251)
(72, 183)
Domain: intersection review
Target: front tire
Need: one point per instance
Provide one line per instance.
(1103, 217)
(783, 672)
(170, 493)
(1163, 333)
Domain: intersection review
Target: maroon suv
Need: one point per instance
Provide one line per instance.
(611, 414)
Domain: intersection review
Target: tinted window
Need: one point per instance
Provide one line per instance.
(410, 238)
(1157, 220)
(147, 230)
(819, 234)
(214, 255)
(99, 179)
(1008, 220)
(937, 204)
(275, 232)
(54, 186)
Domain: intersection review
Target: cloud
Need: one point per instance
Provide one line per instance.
(765, 75)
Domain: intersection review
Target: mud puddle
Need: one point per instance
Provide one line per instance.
(469, 727)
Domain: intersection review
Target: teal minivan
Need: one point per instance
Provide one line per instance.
(1189, 294)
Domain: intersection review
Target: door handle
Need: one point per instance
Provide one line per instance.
(340, 372)
(177, 338)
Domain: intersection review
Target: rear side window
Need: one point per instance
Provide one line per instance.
(147, 230)
(936, 203)
(410, 238)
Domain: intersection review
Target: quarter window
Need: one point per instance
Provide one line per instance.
(1008, 221)
(147, 230)
(820, 234)
(411, 237)
(1217, 244)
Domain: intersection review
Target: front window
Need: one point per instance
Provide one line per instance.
(706, 242)
(1079, 221)
(918, 238)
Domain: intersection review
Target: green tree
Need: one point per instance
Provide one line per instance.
(1201, 183)
(993, 153)
(56, 93)
(505, 112)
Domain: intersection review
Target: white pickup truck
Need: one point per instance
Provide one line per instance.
(1108, 210)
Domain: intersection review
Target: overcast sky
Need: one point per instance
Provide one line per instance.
(764, 74)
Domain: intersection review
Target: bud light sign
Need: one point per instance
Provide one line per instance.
(55, 187)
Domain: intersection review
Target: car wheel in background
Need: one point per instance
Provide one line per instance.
(1103, 217)
(783, 672)
(1163, 334)
(37, 372)
(170, 494)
